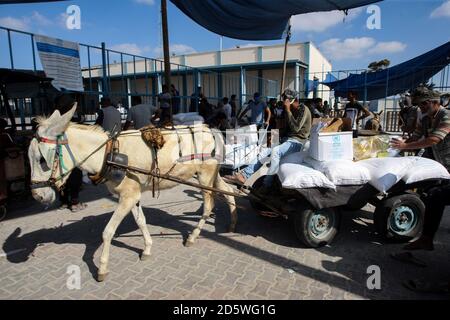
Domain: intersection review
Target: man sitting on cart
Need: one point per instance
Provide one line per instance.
(298, 129)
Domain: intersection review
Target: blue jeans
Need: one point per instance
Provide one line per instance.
(286, 148)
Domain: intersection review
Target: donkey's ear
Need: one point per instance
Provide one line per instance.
(58, 126)
(55, 117)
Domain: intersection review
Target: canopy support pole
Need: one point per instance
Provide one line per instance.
(165, 31)
(283, 76)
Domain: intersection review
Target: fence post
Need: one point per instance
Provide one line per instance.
(261, 83)
(104, 78)
(297, 78)
(10, 50)
(185, 93)
(34, 53)
(219, 85)
(385, 96)
(242, 86)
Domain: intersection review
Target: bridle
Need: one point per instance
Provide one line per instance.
(61, 140)
(58, 162)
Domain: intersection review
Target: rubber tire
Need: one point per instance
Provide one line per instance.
(384, 210)
(305, 235)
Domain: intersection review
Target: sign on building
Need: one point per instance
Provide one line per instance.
(61, 61)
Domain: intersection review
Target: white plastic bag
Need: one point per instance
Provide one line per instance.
(386, 172)
(294, 175)
(341, 172)
(425, 169)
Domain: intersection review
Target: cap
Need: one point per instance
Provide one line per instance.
(291, 95)
(423, 93)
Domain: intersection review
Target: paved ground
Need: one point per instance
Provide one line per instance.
(262, 260)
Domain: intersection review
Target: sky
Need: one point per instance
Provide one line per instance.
(407, 28)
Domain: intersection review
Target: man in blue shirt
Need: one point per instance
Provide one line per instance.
(260, 111)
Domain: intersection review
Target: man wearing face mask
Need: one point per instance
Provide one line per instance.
(298, 128)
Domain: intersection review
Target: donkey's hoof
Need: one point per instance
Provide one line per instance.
(102, 277)
(145, 257)
(189, 243)
(231, 229)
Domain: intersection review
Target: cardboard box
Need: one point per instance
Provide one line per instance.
(331, 146)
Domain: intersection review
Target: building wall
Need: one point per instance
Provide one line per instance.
(276, 74)
(318, 68)
(201, 60)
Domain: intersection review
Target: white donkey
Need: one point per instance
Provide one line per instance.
(57, 132)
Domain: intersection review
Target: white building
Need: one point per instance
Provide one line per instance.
(240, 71)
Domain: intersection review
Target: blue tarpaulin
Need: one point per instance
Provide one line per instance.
(256, 19)
(395, 80)
(25, 1)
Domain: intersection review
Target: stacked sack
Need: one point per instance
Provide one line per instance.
(299, 171)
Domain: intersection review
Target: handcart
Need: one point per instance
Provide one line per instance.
(316, 213)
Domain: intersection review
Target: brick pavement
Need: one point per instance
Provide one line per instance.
(262, 260)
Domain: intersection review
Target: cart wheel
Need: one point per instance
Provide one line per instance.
(316, 228)
(400, 218)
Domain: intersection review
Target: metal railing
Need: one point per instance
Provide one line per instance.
(388, 104)
(121, 75)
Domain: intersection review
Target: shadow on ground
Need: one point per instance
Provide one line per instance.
(356, 239)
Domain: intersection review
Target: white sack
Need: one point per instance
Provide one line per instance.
(386, 172)
(298, 176)
(341, 172)
(425, 169)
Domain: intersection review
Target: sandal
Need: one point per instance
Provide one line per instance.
(236, 179)
(408, 258)
(78, 207)
(427, 287)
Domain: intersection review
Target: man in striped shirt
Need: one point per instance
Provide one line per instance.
(433, 131)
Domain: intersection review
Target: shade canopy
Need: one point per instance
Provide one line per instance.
(395, 80)
(256, 19)
(25, 1)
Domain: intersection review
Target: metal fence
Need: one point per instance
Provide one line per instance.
(121, 75)
(388, 104)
